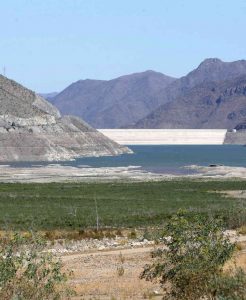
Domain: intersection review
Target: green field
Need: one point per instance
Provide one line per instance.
(72, 205)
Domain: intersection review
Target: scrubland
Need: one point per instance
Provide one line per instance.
(125, 212)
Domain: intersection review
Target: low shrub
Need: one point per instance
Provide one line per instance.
(120, 271)
(132, 234)
(228, 286)
(120, 268)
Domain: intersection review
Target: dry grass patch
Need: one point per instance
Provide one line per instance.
(239, 258)
(239, 194)
(242, 230)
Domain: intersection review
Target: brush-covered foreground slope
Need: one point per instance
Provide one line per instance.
(113, 103)
(31, 129)
(211, 96)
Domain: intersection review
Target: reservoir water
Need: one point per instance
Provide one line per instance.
(163, 158)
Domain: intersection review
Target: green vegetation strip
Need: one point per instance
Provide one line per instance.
(73, 205)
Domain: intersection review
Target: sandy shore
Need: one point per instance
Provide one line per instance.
(58, 173)
(219, 171)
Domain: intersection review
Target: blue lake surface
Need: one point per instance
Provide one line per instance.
(163, 158)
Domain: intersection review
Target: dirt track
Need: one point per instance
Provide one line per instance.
(96, 275)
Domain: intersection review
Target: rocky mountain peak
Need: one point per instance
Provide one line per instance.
(210, 62)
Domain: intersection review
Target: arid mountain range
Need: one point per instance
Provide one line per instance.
(32, 129)
(208, 105)
(207, 97)
(211, 96)
(113, 103)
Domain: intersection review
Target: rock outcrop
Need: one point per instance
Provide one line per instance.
(237, 138)
(32, 129)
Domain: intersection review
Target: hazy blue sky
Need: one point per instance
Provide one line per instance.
(47, 44)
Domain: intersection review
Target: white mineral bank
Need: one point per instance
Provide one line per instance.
(166, 136)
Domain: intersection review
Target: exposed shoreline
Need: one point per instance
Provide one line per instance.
(59, 173)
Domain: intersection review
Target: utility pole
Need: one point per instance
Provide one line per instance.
(4, 71)
(97, 217)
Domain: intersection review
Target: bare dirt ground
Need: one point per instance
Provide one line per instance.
(239, 259)
(239, 194)
(98, 275)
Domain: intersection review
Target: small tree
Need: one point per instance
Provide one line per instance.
(194, 251)
(27, 272)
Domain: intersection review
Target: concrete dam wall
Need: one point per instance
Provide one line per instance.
(166, 136)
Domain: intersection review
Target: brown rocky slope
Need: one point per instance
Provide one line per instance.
(31, 129)
(208, 105)
(113, 103)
